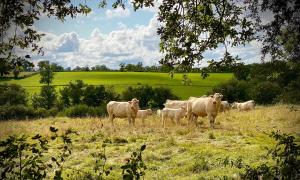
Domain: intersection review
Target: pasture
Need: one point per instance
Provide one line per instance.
(176, 152)
(121, 80)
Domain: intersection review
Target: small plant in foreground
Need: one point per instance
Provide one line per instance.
(22, 159)
(100, 164)
(135, 166)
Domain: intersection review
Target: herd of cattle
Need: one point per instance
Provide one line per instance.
(177, 109)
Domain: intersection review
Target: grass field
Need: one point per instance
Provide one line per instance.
(121, 80)
(176, 152)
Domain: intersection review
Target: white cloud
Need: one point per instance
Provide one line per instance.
(129, 45)
(117, 13)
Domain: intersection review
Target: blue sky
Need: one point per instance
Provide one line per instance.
(113, 36)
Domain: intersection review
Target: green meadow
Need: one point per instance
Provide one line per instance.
(121, 80)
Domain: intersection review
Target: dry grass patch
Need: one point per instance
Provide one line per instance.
(174, 152)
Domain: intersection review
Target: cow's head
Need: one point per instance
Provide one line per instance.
(217, 97)
(134, 104)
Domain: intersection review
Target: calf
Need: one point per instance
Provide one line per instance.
(173, 114)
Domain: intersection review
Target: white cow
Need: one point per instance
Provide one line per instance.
(175, 104)
(224, 106)
(143, 114)
(173, 114)
(245, 106)
(123, 110)
(204, 106)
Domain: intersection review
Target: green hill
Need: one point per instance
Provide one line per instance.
(121, 80)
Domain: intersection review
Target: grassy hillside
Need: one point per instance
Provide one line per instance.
(121, 80)
(176, 152)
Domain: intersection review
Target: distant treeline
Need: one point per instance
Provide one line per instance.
(266, 83)
(139, 67)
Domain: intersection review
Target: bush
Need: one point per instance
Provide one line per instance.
(12, 95)
(21, 112)
(148, 96)
(77, 111)
(290, 94)
(265, 92)
(85, 111)
(233, 90)
(16, 112)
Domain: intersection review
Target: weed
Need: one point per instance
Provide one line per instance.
(211, 135)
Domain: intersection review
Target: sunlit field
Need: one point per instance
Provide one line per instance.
(176, 152)
(121, 80)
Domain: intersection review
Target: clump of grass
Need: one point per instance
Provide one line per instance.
(107, 140)
(182, 132)
(211, 135)
(119, 140)
(200, 164)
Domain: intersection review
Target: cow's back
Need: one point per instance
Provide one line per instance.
(118, 109)
(175, 104)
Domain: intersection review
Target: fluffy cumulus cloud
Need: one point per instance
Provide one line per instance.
(139, 43)
(117, 13)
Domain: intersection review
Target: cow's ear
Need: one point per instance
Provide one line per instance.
(129, 102)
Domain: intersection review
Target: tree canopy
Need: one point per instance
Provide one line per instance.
(187, 28)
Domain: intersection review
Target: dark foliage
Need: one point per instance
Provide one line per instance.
(46, 99)
(265, 92)
(135, 166)
(12, 94)
(233, 90)
(149, 96)
(82, 110)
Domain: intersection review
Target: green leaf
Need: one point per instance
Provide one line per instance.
(143, 147)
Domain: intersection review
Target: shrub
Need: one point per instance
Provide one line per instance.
(265, 92)
(24, 158)
(99, 111)
(135, 166)
(77, 111)
(83, 110)
(16, 112)
(12, 95)
(148, 96)
(290, 94)
(233, 90)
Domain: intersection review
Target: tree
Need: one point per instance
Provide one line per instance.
(4, 67)
(12, 94)
(46, 72)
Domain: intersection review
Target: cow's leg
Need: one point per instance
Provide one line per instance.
(133, 121)
(163, 119)
(211, 120)
(195, 118)
(111, 119)
(189, 118)
(129, 120)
